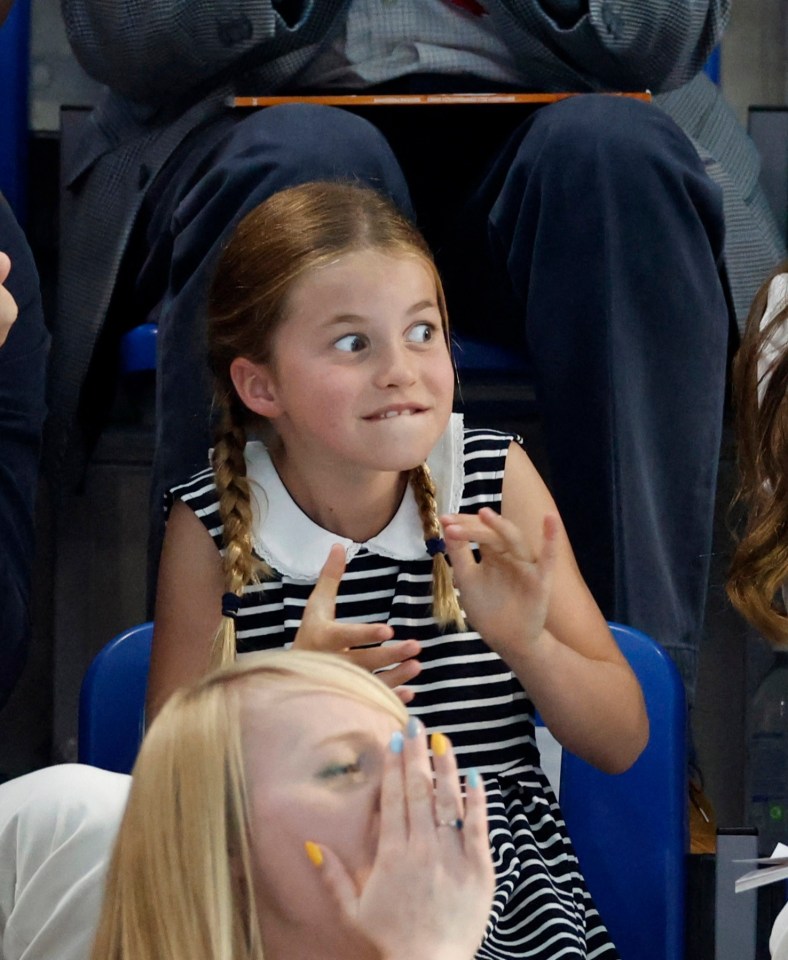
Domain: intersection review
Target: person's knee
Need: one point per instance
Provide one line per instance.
(605, 133)
(315, 142)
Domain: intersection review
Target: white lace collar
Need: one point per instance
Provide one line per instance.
(285, 537)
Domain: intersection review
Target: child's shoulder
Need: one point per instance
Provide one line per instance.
(479, 439)
(198, 492)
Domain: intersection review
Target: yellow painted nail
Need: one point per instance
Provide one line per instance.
(439, 744)
(314, 853)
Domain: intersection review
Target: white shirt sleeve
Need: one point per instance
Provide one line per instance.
(778, 942)
(57, 829)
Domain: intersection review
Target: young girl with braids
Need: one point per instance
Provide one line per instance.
(340, 473)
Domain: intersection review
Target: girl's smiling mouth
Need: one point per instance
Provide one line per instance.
(395, 410)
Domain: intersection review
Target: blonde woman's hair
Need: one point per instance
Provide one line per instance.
(180, 881)
(760, 561)
(271, 249)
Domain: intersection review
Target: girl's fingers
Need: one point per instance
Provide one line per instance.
(461, 556)
(323, 599)
(365, 634)
(405, 694)
(496, 534)
(549, 554)
(5, 266)
(401, 674)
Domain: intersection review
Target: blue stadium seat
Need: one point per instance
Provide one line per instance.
(14, 70)
(112, 701)
(631, 830)
(138, 348)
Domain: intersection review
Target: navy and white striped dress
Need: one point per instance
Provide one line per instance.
(542, 908)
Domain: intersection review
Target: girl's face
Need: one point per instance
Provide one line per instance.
(313, 769)
(361, 375)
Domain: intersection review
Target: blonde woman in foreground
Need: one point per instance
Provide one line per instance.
(284, 808)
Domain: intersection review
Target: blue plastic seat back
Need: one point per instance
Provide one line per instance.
(631, 830)
(14, 73)
(112, 701)
(138, 348)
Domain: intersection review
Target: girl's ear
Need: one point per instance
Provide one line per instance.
(256, 386)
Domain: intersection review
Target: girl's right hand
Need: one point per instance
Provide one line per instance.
(393, 663)
(429, 892)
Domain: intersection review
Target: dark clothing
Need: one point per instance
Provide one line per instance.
(22, 371)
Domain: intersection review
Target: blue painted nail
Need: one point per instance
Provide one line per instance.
(472, 778)
(413, 728)
(396, 742)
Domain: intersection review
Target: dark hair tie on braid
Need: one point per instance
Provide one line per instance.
(231, 604)
(435, 545)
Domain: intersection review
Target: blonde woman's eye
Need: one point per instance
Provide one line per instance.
(334, 770)
(421, 332)
(352, 343)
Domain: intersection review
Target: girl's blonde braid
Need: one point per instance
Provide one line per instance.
(235, 509)
(445, 605)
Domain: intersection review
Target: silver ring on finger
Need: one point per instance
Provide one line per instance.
(455, 824)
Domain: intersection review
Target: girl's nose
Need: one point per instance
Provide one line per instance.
(396, 367)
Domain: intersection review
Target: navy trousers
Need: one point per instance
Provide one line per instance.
(586, 235)
(22, 375)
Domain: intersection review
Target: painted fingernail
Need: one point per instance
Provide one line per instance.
(314, 853)
(472, 778)
(396, 742)
(413, 728)
(439, 744)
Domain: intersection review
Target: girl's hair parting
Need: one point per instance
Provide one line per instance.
(180, 881)
(271, 249)
(760, 561)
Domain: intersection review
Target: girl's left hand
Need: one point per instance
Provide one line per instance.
(429, 892)
(505, 594)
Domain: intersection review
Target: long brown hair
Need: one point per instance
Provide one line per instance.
(760, 561)
(291, 233)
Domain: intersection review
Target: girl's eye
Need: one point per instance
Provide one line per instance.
(421, 332)
(352, 343)
(334, 770)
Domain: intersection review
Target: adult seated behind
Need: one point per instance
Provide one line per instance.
(24, 345)
(282, 807)
(587, 234)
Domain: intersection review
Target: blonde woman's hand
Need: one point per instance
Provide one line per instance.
(8, 307)
(394, 663)
(506, 593)
(429, 892)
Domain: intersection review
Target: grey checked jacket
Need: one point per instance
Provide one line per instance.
(170, 64)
